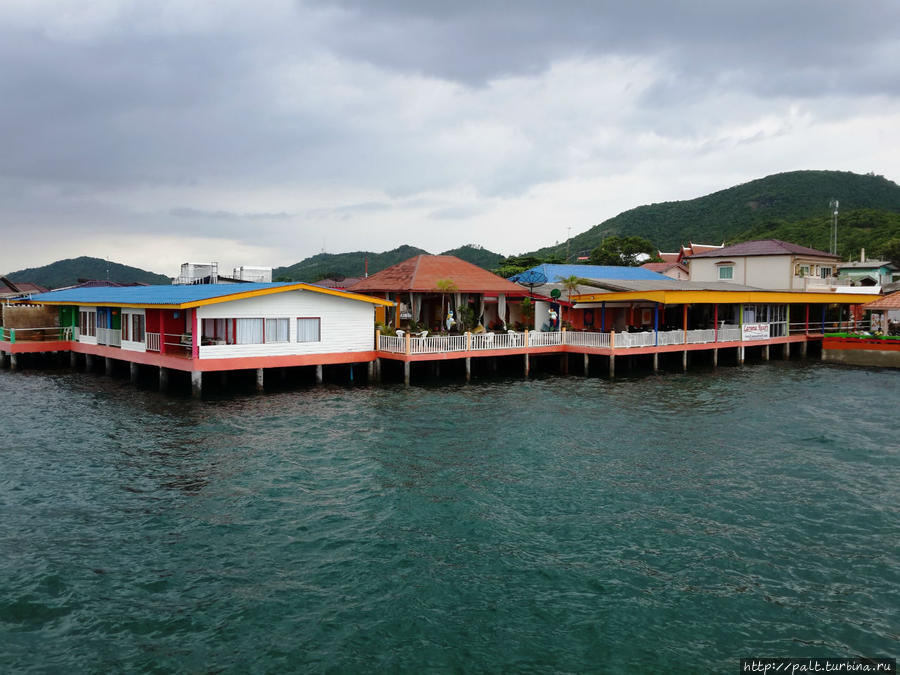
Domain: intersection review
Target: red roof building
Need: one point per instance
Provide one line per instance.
(673, 270)
(422, 273)
(417, 284)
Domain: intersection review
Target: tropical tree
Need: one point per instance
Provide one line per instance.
(445, 287)
(622, 251)
(571, 285)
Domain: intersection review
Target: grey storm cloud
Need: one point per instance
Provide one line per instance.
(816, 46)
(396, 102)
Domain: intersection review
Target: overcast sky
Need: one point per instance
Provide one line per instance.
(261, 133)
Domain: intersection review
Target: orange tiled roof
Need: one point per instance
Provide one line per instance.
(422, 272)
(891, 301)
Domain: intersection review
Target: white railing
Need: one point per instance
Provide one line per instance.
(539, 339)
(644, 339)
(389, 343)
(109, 336)
(668, 337)
(730, 333)
(151, 340)
(580, 339)
(700, 336)
(438, 344)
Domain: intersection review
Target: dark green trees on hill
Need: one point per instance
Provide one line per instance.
(68, 272)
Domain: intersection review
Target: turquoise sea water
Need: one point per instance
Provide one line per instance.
(658, 524)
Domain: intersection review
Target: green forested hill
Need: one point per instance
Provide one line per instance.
(876, 231)
(325, 265)
(795, 202)
(476, 255)
(68, 272)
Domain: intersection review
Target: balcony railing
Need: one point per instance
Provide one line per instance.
(109, 336)
(151, 340)
(48, 334)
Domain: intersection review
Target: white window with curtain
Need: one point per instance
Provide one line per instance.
(277, 330)
(249, 331)
(309, 329)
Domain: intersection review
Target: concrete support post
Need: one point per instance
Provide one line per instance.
(786, 351)
(108, 365)
(3, 358)
(564, 364)
(89, 362)
(378, 370)
(196, 383)
(370, 371)
(406, 365)
(741, 355)
(13, 361)
(134, 372)
(587, 365)
(765, 352)
(684, 360)
(715, 358)
(437, 368)
(803, 347)
(612, 365)
(163, 378)
(527, 365)
(656, 362)
(319, 374)
(260, 379)
(73, 360)
(468, 368)
(282, 373)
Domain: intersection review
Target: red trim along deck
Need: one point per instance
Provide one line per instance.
(185, 363)
(598, 351)
(852, 343)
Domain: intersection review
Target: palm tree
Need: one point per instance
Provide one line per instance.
(571, 285)
(445, 286)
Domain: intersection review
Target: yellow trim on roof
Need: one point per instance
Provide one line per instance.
(281, 289)
(682, 297)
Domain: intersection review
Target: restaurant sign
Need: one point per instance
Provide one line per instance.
(755, 331)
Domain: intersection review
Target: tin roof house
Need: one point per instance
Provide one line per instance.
(209, 327)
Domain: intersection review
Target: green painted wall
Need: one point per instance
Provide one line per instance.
(68, 316)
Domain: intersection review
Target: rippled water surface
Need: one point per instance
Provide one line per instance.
(668, 523)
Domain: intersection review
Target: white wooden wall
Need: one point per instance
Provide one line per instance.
(346, 325)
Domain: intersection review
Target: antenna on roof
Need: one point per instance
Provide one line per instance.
(834, 205)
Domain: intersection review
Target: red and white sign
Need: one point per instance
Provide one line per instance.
(755, 331)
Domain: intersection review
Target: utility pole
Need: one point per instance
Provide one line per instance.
(833, 204)
(568, 241)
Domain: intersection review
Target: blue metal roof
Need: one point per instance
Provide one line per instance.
(548, 274)
(152, 295)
